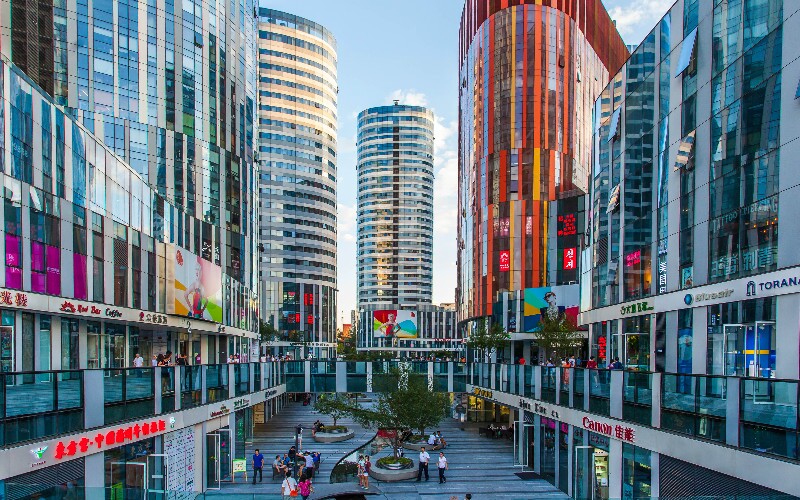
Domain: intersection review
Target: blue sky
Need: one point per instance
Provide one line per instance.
(408, 50)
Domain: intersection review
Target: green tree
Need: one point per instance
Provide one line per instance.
(267, 332)
(489, 339)
(335, 405)
(409, 404)
(558, 335)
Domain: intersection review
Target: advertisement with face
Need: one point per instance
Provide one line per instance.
(394, 323)
(556, 303)
(198, 287)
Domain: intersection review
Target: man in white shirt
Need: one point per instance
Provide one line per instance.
(442, 464)
(138, 361)
(432, 439)
(288, 485)
(424, 458)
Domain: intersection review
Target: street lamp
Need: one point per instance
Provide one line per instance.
(297, 430)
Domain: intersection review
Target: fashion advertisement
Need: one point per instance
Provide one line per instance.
(557, 303)
(394, 323)
(198, 287)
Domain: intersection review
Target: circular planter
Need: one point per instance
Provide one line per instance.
(419, 446)
(392, 475)
(333, 437)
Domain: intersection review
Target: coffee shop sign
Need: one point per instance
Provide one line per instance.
(617, 431)
(482, 393)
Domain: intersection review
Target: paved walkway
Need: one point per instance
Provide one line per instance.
(478, 465)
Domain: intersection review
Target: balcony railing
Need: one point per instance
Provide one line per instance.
(759, 414)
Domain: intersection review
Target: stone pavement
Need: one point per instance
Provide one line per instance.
(478, 465)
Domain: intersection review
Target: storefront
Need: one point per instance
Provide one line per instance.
(483, 410)
(56, 482)
(132, 469)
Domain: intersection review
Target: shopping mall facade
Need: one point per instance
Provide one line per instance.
(682, 275)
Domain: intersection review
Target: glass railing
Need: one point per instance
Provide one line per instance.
(191, 385)
(168, 389)
(637, 397)
(323, 376)
(599, 391)
(216, 383)
(241, 379)
(529, 385)
(36, 405)
(768, 412)
(129, 393)
(694, 405)
(459, 377)
(295, 376)
(579, 379)
(549, 376)
(256, 377)
(356, 376)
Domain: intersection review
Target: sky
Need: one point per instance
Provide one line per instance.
(408, 50)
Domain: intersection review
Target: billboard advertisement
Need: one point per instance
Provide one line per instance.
(394, 323)
(558, 303)
(198, 287)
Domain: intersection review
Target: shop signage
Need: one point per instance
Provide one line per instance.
(505, 260)
(689, 299)
(92, 310)
(218, 412)
(616, 431)
(239, 465)
(754, 287)
(268, 394)
(636, 308)
(39, 453)
(13, 298)
(241, 403)
(538, 408)
(567, 226)
(158, 319)
(118, 436)
(570, 258)
(482, 393)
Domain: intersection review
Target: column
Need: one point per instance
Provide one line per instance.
(616, 395)
(655, 475)
(307, 368)
(94, 406)
(341, 376)
(787, 336)
(95, 476)
(55, 342)
(157, 390)
(537, 390)
(732, 412)
(83, 340)
(614, 469)
(700, 339)
(671, 339)
(655, 399)
(231, 381)
(450, 376)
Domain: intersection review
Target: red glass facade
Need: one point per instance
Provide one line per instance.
(530, 72)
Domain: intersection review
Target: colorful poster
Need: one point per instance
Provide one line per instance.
(558, 303)
(394, 323)
(198, 287)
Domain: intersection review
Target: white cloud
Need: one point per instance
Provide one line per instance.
(346, 219)
(635, 19)
(409, 97)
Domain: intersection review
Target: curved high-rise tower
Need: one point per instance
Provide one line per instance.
(529, 75)
(395, 206)
(297, 176)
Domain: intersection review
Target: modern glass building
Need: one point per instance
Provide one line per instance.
(395, 206)
(297, 123)
(685, 279)
(128, 156)
(529, 74)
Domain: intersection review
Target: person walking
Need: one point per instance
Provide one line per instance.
(304, 487)
(138, 361)
(442, 465)
(424, 458)
(360, 471)
(289, 486)
(258, 466)
(299, 429)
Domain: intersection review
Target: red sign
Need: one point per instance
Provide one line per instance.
(102, 440)
(505, 260)
(16, 299)
(616, 431)
(601, 348)
(633, 258)
(566, 225)
(570, 258)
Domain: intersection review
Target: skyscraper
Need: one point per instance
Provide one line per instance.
(529, 75)
(395, 206)
(297, 176)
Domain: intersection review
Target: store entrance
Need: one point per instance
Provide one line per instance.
(219, 460)
(128, 480)
(750, 349)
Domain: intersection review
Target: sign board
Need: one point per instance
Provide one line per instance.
(239, 465)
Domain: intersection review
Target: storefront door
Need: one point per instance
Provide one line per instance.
(600, 467)
(583, 473)
(128, 480)
(157, 480)
(213, 448)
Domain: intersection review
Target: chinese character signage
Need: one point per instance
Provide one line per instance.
(106, 439)
(570, 258)
(616, 431)
(566, 225)
(505, 260)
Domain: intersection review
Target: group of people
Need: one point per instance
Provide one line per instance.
(271, 357)
(441, 464)
(237, 358)
(573, 362)
(436, 440)
(283, 467)
(165, 359)
(364, 467)
(317, 427)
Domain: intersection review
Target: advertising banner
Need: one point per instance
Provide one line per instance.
(198, 287)
(559, 303)
(394, 323)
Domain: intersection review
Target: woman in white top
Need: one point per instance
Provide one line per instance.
(288, 485)
(442, 464)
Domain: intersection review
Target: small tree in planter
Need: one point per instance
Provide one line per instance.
(334, 405)
(407, 404)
